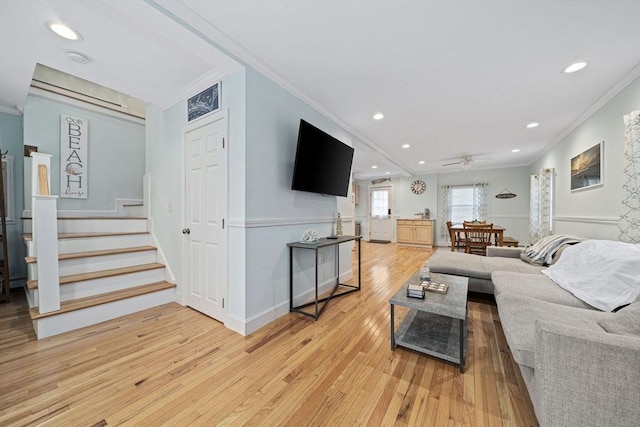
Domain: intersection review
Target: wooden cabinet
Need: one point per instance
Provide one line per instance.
(416, 232)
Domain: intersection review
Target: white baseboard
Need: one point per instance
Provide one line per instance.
(253, 323)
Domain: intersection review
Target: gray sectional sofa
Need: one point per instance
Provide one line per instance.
(479, 268)
(581, 365)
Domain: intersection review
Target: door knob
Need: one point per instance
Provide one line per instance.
(186, 231)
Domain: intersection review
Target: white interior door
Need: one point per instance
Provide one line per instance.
(205, 211)
(380, 217)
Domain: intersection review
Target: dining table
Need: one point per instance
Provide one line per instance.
(456, 229)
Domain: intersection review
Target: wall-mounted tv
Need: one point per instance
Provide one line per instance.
(323, 163)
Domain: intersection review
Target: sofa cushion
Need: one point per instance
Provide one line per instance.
(625, 322)
(535, 286)
(518, 315)
(462, 264)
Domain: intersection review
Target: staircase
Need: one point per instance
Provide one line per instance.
(108, 267)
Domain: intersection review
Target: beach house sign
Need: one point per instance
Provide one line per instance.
(73, 157)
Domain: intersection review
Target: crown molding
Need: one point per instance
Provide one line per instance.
(10, 110)
(625, 81)
(181, 14)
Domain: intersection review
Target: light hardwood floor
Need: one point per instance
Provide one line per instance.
(171, 365)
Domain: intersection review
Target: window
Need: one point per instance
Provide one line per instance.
(462, 205)
(380, 202)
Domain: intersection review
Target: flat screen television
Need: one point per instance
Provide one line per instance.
(323, 163)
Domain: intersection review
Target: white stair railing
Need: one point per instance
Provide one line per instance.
(44, 214)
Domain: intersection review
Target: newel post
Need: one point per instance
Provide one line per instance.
(45, 238)
(44, 219)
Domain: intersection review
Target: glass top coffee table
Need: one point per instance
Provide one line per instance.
(437, 324)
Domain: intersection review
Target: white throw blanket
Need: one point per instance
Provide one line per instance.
(603, 273)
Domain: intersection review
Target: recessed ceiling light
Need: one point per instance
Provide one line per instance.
(532, 125)
(421, 162)
(64, 31)
(515, 150)
(575, 67)
(406, 145)
(387, 173)
(378, 116)
(374, 167)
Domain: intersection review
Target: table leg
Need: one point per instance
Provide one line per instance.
(452, 237)
(359, 265)
(290, 278)
(393, 330)
(317, 315)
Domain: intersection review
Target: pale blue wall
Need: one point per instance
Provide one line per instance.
(273, 119)
(594, 212)
(11, 140)
(116, 152)
(264, 213)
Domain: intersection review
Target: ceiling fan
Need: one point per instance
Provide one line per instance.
(465, 160)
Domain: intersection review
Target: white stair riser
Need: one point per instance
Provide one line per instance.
(88, 288)
(67, 267)
(58, 324)
(85, 244)
(132, 225)
(133, 210)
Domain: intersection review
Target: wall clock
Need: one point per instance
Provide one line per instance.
(418, 186)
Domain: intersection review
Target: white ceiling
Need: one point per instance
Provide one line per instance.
(451, 77)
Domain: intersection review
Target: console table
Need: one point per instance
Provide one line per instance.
(321, 303)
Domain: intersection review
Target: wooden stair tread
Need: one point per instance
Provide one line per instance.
(64, 280)
(89, 254)
(29, 236)
(80, 303)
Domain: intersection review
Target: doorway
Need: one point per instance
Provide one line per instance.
(205, 254)
(380, 221)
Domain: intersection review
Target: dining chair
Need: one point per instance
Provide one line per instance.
(477, 238)
(457, 240)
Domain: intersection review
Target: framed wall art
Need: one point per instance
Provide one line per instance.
(204, 103)
(74, 156)
(586, 168)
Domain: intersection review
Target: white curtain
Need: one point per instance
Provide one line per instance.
(480, 202)
(630, 215)
(445, 210)
(541, 205)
